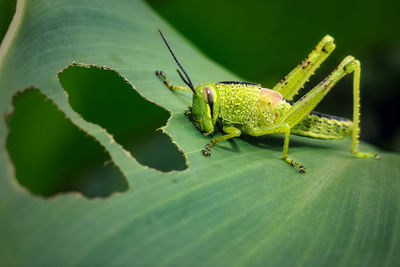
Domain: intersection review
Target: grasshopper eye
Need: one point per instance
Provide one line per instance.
(209, 97)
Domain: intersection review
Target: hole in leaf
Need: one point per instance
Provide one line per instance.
(105, 98)
(52, 155)
(7, 10)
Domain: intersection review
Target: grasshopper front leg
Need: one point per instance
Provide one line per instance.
(172, 87)
(231, 133)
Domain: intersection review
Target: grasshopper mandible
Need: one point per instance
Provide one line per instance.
(244, 107)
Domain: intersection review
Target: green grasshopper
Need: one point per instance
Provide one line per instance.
(244, 107)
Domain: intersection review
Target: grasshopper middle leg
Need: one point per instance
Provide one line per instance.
(231, 132)
(276, 129)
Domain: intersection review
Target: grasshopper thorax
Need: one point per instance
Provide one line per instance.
(205, 107)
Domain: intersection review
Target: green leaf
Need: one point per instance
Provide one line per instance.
(242, 206)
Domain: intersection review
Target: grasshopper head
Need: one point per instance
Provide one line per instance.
(205, 108)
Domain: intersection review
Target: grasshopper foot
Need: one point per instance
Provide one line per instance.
(160, 73)
(206, 151)
(301, 167)
(364, 155)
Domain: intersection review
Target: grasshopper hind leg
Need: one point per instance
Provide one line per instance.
(295, 80)
(308, 102)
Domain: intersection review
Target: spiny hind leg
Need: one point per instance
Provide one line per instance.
(308, 102)
(295, 80)
(356, 114)
(172, 87)
(280, 128)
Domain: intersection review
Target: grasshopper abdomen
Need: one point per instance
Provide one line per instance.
(323, 126)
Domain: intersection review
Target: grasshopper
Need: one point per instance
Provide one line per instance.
(245, 107)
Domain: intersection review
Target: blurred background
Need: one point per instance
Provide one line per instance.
(261, 41)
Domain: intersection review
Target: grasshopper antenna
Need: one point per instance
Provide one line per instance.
(187, 81)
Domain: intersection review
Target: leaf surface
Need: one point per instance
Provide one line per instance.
(242, 206)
